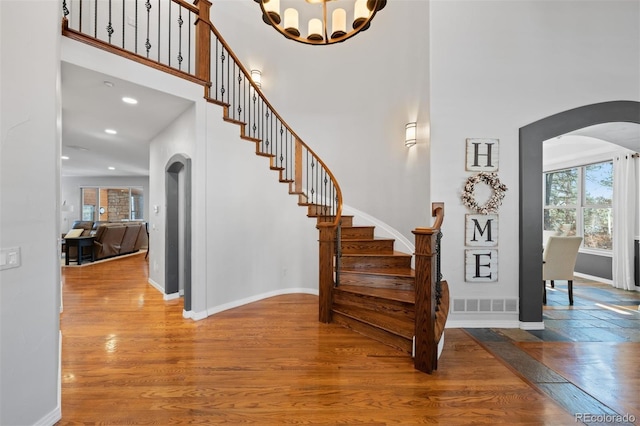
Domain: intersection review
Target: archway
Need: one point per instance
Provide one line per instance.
(178, 227)
(530, 201)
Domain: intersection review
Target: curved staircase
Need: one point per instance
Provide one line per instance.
(364, 283)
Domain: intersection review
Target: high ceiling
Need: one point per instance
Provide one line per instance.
(92, 102)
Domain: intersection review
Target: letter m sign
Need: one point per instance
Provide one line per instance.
(481, 230)
(482, 155)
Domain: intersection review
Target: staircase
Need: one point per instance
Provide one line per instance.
(376, 294)
(364, 284)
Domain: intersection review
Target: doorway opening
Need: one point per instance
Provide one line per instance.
(530, 186)
(178, 228)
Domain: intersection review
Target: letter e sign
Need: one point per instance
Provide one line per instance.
(481, 266)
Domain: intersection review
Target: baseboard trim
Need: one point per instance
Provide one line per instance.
(479, 323)
(171, 296)
(593, 278)
(532, 325)
(196, 316)
(156, 285)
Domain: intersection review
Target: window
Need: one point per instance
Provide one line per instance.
(112, 204)
(577, 201)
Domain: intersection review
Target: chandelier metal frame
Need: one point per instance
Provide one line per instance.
(273, 19)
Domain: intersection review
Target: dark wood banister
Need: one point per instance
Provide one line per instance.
(426, 339)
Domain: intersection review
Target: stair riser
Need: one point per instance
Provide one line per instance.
(346, 220)
(379, 262)
(377, 311)
(377, 281)
(357, 233)
(316, 210)
(397, 342)
(367, 246)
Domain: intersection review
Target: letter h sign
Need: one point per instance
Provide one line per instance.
(482, 155)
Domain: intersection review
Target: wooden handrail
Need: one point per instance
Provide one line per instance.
(293, 133)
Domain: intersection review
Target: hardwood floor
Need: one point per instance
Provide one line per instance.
(128, 357)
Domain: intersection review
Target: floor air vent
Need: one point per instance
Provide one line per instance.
(485, 305)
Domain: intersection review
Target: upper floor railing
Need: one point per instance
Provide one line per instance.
(175, 36)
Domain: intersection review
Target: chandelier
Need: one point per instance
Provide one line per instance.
(320, 29)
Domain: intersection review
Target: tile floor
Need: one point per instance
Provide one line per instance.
(565, 360)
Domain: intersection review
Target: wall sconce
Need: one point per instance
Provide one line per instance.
(256, 76)
(410, 131)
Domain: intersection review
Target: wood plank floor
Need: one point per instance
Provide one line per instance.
(128, 357)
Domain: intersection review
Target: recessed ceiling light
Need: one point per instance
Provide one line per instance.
(64, 157)
(110, 131)
(128, 100)
(111, 168)
(108, 83)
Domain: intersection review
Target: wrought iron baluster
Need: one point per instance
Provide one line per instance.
(95, 19)
(159, 16)
(135, 30)
(65, 9)
(438, 270)
(180, 22)
(338, 253)
(239, 107)
(169, 34)
(222, 89)
(189, 45)
(147, 44)
(109, 26)
(124, 24)
(313, 181)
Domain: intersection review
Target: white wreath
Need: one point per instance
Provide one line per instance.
(494, 202)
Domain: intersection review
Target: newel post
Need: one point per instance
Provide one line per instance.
(203, 40)
(426, 348)
(326, 252)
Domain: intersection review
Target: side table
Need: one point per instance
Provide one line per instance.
(80, 243)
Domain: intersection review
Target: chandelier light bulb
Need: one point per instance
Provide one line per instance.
(315, 29)
(291, 22)
(338, 23)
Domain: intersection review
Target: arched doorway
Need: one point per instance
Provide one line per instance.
(178, 228)
(530, 201)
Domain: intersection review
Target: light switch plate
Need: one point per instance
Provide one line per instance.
(9, 258)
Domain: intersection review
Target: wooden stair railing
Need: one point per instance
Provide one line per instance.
(432, 294)
(382, 297)
(212, 64)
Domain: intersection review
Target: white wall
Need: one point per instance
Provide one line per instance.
(70, 191)
(29, 212)
(259, 241)
(350, 102)
(178, 137)
(497, 66)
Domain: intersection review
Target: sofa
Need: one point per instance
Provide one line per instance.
(113, 238)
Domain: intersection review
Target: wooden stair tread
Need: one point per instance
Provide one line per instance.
(381, 272)
(405, 296)
(394, 254)
(250, 139)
